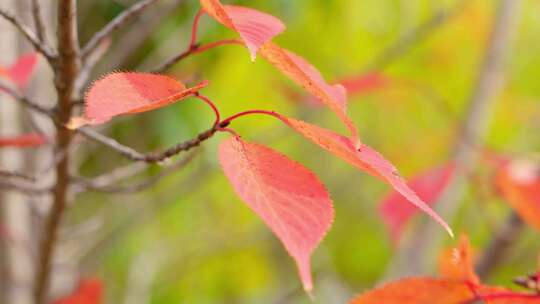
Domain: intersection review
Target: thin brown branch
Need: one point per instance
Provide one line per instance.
(66, 72)
(114, 25)
(415, 256)
(104, 185)
(501, 243)
(16, 175)
(154, 157)
(414, 37)
(23, 187)
(38, 20)
(26, 102)
(29, 35)
(195, 49)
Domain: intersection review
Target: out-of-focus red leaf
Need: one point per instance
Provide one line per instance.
(23, 141)
(130, 93)
(23, 69)
(365, 159)
(458, 263)
(303, 73)
(255, 27)
(20, 72)
(289, 198)
(428, 185)
(418, 291)
(519, 183)
(363, 83)
(89, 291)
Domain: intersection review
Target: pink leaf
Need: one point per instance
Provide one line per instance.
(23, 69)
(428, 185)
(130, 93)
(363, 83)
(365, 158)
(303, 73)
(289, 198)
(23, 141)
(255, 27)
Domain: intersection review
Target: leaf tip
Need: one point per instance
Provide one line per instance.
(450, 232)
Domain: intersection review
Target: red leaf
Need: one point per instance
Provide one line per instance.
(89, 291)
(289, 198)
(23, 141)
(418, 291)
(458, 263)
(441, 291)
(519, 183)
(460, 285)
(130, 93)
(363, 83)
(22, 70)
(255, 27)
(303, 73)
(365, 158)
(428, 185)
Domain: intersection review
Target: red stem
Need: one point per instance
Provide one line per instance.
(507, 296)
(211, 45)
(212, 105)
(195, 28)
(228, 120)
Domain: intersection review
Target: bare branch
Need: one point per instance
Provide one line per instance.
(23, 187)
(155, 157)
(66, 69)
(38, 20)
(16, 175)
(114, 25)
(474, 128)
(26, 102)
(104, 185)
(29, 35)
(195, 49)
(414, 37)
(501, 242)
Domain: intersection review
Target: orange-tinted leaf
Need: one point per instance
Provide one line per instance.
(519, 183)
(418, 291)
(289, 198)
(130, 93)
(458, 263)
(428, 185)
(23, 141)
(255, 27)
(303, 73)
(364, 83)
(89, 291)
(365, 158)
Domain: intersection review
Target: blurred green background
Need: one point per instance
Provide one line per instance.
(191, 240)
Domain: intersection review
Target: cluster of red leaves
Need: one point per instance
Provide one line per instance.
(288, 197)
(89, 291)
(457, 284)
